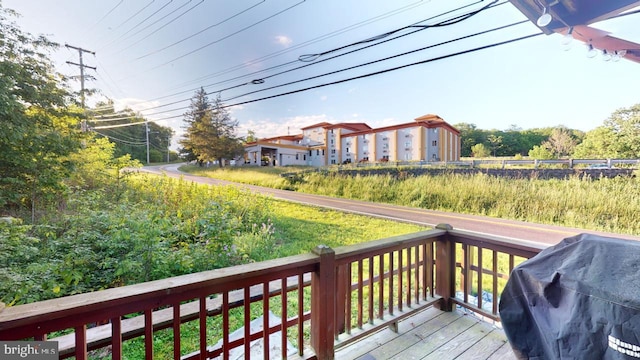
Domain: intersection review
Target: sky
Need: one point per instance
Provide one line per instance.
(152, 55)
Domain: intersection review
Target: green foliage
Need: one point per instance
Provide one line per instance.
(37, 128)
(599, 143)
(512, 141)
(210, 131)
(619, 137)
(480, 151)
(159, 227)
(132, 140)
(540, 152)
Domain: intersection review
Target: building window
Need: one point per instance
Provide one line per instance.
(407, 144)
(434, 143)
(318, 152)
(333, 151)
(297, 158)
(347, 150)
(309, 152)
(407, 156)
(304, 157)
(322, 152)
(333, 162)
(331, 141)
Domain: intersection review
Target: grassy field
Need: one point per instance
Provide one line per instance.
(593, 204)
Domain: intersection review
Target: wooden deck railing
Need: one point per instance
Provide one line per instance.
(354, 290)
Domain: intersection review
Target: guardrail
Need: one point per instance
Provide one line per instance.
(354, 291)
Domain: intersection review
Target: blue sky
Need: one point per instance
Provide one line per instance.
(530, 83)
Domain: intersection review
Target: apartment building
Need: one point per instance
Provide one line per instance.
(427, 138)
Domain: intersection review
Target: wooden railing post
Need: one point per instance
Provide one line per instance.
(445, 269)
(343, 289)
(323, 303)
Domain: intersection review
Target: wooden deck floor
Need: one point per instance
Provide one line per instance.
(433, 334)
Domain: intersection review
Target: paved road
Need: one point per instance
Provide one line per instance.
(538, 233)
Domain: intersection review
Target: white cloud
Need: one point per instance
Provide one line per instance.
(324, 98)
(265, 128)
(283, 40)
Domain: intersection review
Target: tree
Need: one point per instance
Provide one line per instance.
(480, 151)
(210, 132)
(38, 128)
(495, 142)
(251, 137)
(560, 142)
(469, 135)
(625, 124)
(541, 153)
(599, 143)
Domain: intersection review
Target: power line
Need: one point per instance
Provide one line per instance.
(162, 26)
(369, 74)
(447, 22)
(139, 23)
(329, 51)
(386, 70)
(134, 15)
(227, 36)
(203, 30)
(295, 47)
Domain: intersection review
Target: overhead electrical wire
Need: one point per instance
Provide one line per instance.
(120, 140)
(447, 22)
(138, 24)
(227, 36)
(380, 72)
(317, 62)
(162, 26)
(205, 29)
(134, 15)
(295, 47)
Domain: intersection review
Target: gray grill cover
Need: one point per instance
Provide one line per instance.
(579, 299)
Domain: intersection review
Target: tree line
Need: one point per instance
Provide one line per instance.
(617, 138)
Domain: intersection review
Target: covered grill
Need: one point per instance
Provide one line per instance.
(579, 299)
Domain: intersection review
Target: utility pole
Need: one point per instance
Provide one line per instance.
(82, 66)
(146, 124)
(168, 144)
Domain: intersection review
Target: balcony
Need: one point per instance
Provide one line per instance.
(329, 300)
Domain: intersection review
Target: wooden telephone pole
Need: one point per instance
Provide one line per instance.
(82, 76)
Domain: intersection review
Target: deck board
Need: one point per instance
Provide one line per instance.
(433, 334)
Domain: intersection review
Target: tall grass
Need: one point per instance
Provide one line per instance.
(603, 204)
(600, 204)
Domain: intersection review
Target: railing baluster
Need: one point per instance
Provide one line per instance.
(391, 276)
(283, 322)
(343, 290)
(300, 315)
(176, 331)
(202, 315)
(416, 274)
(247, 320)
(371, 291)
(400, 275)
(81, 342)
(349, 306)
(148, 334)
(466, 263)
(265, 319)
(116, 338)
(225, 325)
(479, 277)
(360, 300)
(511, 265)
(381, 286)
(428, 262)
(409, 269)
(495, 283)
